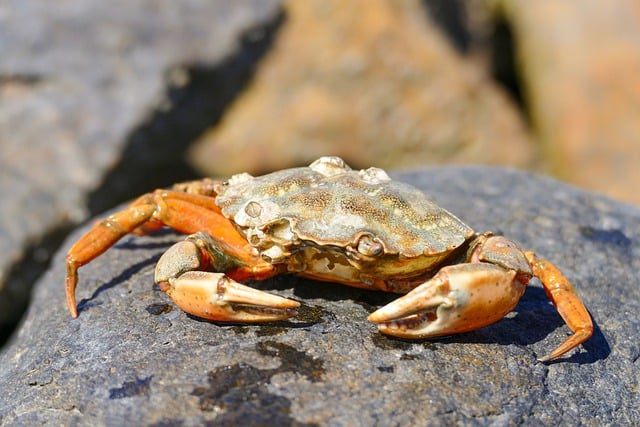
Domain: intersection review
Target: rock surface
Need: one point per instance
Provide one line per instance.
(132, 357)
(373, 81)
(80, 86)
(580, 65)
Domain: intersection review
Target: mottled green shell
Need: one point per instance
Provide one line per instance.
(328, 203)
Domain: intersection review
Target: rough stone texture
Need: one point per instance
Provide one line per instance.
(580, 65)
(78, 81)
(373, 81)
(131, 358)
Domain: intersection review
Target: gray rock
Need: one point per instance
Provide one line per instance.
(81, 85)
(132, 358)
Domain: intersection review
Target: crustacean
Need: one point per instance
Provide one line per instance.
(331, 223)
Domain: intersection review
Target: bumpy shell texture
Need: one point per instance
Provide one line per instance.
(328, 203)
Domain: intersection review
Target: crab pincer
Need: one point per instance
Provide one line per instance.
(215, 296)
(459, 298)
(468, 296)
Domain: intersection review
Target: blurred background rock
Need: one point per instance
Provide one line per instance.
(101, 101)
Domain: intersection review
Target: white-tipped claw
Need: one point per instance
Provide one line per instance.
(459, 298)
(416, 314)
(214, 296)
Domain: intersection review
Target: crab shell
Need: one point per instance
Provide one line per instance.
(329, 222)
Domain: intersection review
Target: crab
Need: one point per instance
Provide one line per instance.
(331, 223)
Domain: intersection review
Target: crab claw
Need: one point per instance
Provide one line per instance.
(214, 296)
(459, 298)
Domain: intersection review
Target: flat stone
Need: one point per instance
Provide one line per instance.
(132, 357)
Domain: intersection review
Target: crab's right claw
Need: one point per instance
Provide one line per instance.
(460, 298)
(215, 296)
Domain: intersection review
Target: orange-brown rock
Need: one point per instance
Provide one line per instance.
(372, 81)
(581, 67)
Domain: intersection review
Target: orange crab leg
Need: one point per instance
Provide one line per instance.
(566, 300)
(187, 213)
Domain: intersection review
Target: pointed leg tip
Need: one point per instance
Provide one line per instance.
(70, 284)
(72, 306)
(545, 359)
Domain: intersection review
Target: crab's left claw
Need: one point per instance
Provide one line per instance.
(214, 296)
(459, 298)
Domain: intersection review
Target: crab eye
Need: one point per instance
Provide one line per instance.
(368, 246)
